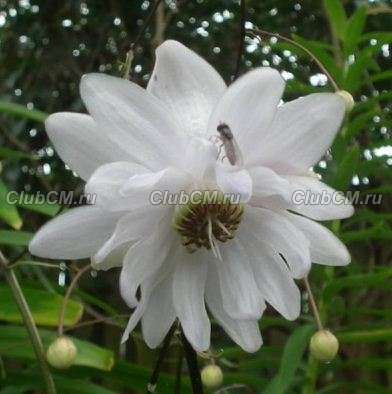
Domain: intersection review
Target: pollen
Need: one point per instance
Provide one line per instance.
(207, 220)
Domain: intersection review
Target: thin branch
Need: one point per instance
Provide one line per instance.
(258, 32)
(191, 358)
(241, 40)
(162, 354)
(107, 320)
(313, 304)
(67, 295)
(29, 323)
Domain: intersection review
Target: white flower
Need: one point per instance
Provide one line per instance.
(136, 141)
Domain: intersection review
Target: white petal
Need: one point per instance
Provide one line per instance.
(129, 228)
(301, 133)
(144, 259)
(188, 294)
(272, 277)
(159, 315)
(278, 232)
(245, 333)
(322, 203)
(133, 118)
(248, 108)
(325, 248)
(241, 298)
(76, 234)
(267, 183)
(187, 84)
(138, 312)
(237, 183)
(80, 142)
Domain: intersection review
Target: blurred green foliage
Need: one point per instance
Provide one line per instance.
(45, 47)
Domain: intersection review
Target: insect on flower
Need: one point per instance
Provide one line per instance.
(228, 142)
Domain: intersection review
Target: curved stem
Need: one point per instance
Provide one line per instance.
(29, 323)
(67, 295)
(191, 358)
(259, 32)
(313, 304)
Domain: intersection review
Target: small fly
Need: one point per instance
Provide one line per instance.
(229, 143)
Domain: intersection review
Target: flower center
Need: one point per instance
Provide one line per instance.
(210, 218)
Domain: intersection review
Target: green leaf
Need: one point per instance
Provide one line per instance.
(291, 360)
(354, 76)
(337, 17)
(20, 111)
(355, 27)
(14, 342)
(357, 281)
(8, 212)
(15, 238)
(10, 154)
(322, 55)
(44, 306)
(385, 75)
(366, 336)
(346, 169)
(28, 202)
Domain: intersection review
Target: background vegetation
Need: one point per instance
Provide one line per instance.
(45, 48)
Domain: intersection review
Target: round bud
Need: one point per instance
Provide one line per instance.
(324, 346)
(61, 353)
(348, 99)
(212, 376)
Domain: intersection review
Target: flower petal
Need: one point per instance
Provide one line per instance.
(267, 183)
(134, 119)
(241, 298)
(315, 199)
(272, 276)
(188, 294)
(279, 233)
(129, 228)
(80, 142)
(237, 183)
(248, 108)
(187, 84)
(144, 259)
(159, 315)
(76, 234)
(245, 333)
(106, 181)
(301, 133)
(325, 248)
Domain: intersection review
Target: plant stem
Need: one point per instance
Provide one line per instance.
(67, 295)
(29, 323)
(313, 304)
(191, 358)
(162, 354)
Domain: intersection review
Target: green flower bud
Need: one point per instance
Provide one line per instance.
(348, 99)
(61, 353)
(212, 376)
(324, 346)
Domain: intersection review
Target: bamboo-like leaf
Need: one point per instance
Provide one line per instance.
(14, 342)
(337, 17)
(8, 212)
(44, 306)
(20, 111)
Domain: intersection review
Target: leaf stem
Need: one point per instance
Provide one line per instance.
(29, 323)
(191, 358)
